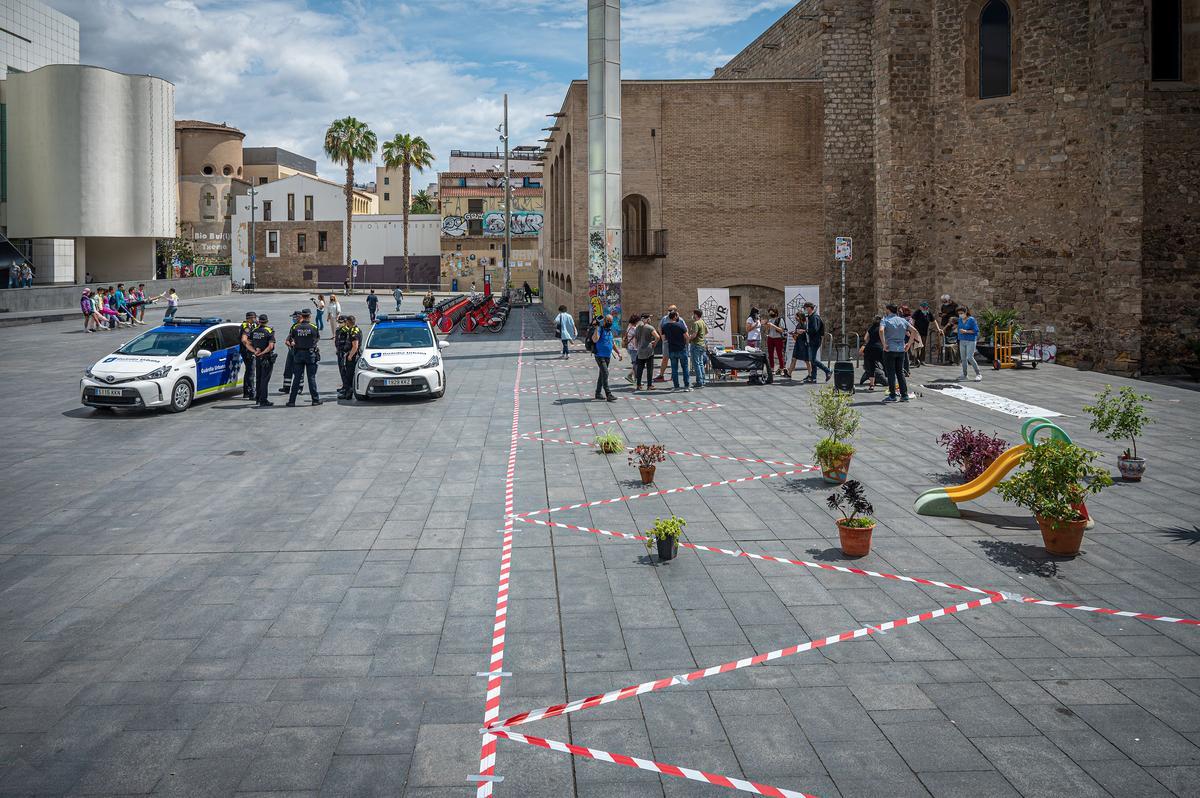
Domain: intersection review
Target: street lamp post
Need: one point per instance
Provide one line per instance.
(507, 205)
(253, 243)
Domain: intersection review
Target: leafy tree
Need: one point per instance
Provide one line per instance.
(346, 141)
(1120, 416)
(405, 152)
(423, 203)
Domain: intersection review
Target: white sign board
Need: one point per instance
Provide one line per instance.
(794, 297)
(714, 304)
(843, 248)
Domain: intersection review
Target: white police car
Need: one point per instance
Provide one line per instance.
(400, 357)
(168, 366)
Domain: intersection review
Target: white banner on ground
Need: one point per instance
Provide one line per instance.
(714, 304)
(794, 297)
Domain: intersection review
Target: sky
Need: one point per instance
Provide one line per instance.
(282, 70)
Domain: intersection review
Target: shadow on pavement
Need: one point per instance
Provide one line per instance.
(1021, 557)
(1001, 521)
(1181, 535)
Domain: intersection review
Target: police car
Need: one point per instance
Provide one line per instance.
(168, 366)
(400, 357)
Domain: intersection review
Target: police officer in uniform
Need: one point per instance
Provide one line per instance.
(303, 341)
(262, 346)
(341, 345)
(248, 355)
(289, 363)
(348, 357)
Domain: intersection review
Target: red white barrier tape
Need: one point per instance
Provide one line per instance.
(532, 437)
(668, 491)
(620, 396)
(916, 580)
(654, 767)
(491, 710)
(643, 417)
(745, 662)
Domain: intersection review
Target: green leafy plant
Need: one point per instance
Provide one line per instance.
(851, 501)
(834, 412)
(1001, 318)
(1120, 416)
(665, 529)
(647, 455)
(610, 442)
(1058, 477)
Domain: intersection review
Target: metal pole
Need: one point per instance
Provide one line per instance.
(844, 353)
(507, 206)
(253, 243)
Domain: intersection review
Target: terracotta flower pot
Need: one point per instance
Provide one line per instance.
(647, 474)
(1062, 538)
(667, 548)
(836, 471)
(1131, 468)
(856, 540)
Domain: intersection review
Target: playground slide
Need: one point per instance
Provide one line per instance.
(944, 501)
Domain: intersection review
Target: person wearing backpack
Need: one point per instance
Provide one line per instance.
(815, 331)
(564, 325)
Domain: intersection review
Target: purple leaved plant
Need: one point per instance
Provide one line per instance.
(971, 450)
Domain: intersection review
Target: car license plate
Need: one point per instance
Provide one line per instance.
(108, 392)
(398, 381)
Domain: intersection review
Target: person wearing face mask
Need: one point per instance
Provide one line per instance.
(602, 348)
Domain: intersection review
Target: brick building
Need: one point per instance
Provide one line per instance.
(472, 216)
(1042, 155)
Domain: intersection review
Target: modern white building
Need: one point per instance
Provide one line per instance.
(91, 157)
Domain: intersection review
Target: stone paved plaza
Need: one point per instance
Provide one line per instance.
(298, 601)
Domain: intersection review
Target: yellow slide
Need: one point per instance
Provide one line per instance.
(945, 501)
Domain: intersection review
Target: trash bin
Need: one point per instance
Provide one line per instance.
(843, 376)
(454, 285)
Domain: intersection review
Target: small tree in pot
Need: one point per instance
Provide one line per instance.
(646, 457)
(1058, 478)
(665, 535)
(856, 524)
(834, 412)
(971, 450)
(1118, 417)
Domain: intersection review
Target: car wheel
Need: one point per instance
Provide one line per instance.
(181, 397)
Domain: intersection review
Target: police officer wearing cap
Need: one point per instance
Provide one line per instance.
(248, 355)
(289, 363)
(341, 345)
(303, 340)
(349, 356)
(262, 346)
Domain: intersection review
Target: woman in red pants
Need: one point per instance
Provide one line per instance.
(776, 335)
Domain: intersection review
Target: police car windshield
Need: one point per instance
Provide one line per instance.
(404, 337)
(159, 343)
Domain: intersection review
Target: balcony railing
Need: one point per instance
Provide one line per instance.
(645, 243)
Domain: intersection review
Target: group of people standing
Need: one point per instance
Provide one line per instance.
(20, 275)
(111, 308)
(258, 350)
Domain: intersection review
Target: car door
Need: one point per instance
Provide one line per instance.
(211, 370)
(231, 339)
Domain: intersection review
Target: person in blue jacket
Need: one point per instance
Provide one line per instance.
(602, 348)
(968, 338)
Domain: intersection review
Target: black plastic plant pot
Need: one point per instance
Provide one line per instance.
(667, 548)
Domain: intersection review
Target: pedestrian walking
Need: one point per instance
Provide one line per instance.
(289, 359)
(333, 309)
(14, 275)
(564, 325)
(630, 345)
(894, 332)
(603, 349)
(262, 346)
(372, 304)
(775, 338)
(675, 332)
(799, 344)
(922, 318)
(814, 331)
(247, 353)
(753, 329)
(346, 286)
(968, 339)
(662, 365)
(347, 343)
(303, 341)
(27, 276)
(645, 340)
(172, 304)
(698, 348)
(872, 353)
(398, 295)
(427, 300)
(319, 304)
(528, 293)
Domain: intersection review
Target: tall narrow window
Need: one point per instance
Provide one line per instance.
(308, 207)
(301, 241)
(291, 207)
(273, 243)
(1166, 40)
(474, 217)
(266, 210)
(995, 50)
(635, 213)
(322, 241)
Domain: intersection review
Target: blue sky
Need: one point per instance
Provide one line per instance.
(281, 70)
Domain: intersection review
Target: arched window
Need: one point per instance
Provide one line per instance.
(635, 215)
(995, 50)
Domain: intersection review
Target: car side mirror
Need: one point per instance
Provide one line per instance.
(443, 344)
(202, 353)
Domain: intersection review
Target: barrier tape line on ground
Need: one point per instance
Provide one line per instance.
(654, 767)
(495, 671)
(552, 391)
(738, 664)
(532, 437)
(644, 417)
(1015, 597)
(668, 491)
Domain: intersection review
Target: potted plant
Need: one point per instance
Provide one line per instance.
(646, 457)
(1119, 417)
(610, 442)
(834, 412)
(971, 450)
(856, 524)
(665, 534)
(1058, 477)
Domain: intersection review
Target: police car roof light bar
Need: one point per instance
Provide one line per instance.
(195, 320)
(400, 317)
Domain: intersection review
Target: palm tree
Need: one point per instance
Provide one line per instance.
(406, 153)
(346, 141)
(423, 203)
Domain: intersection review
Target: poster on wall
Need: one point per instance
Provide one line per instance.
(794, 297)
(714, 304)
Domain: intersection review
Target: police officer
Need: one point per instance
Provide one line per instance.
(289, 363)
(262, 346)
(349, 357)
(303, 341)
(248, 355)
(341, 345)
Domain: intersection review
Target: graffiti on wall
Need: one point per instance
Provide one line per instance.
(524, 223)
(604, 273)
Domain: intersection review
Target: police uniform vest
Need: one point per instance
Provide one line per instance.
(341, 338)
(305, 336)
(262, 336)
(247, 330)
